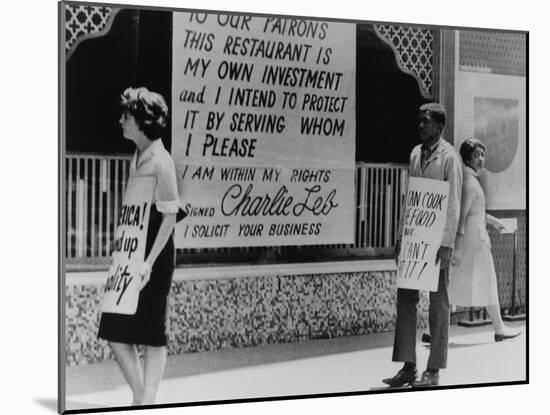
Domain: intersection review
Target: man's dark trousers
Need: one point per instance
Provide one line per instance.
(404, 346)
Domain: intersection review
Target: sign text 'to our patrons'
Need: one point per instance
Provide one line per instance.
(264, 130)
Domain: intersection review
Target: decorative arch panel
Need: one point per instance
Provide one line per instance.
(84, 22)
(414, 53)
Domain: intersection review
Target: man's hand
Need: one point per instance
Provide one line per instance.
(457, 259)
(444, 255)
(396, 251)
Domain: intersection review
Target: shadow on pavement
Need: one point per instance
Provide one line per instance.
(236, 358)
(459, 345)
(453, 345)
(48, 403)
(106, 375)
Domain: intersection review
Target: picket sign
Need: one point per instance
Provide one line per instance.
(423, 225)
(123, 282)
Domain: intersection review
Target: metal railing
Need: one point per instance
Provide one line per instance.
(94, 190)
(95, 186)
(380, 190)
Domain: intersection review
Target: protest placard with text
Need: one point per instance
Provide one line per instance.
(122, 288)
(423, 224)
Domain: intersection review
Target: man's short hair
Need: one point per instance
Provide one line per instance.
(437, 111)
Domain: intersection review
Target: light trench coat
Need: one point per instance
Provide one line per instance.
(473, 283)
(444, 164)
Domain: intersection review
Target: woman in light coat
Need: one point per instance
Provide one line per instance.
(473, 281)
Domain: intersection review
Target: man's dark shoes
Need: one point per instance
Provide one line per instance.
(404, 377)
(501, 337)
(428, 379)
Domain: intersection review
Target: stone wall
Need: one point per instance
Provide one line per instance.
(211, 313)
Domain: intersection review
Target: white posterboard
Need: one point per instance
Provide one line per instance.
(122, 286)
(423, 225)
(510, 225)
(263, 130)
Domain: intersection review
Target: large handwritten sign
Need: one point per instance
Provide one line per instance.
(123, 282)
(263, 129)
(423, 225)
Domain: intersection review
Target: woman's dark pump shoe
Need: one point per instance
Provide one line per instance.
(403, 377)
(428, 379)
(501, 337)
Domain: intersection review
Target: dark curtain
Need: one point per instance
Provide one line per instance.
(135, 52)
(387, 102)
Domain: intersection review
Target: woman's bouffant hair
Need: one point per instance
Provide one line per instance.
(148, 108)
(468, 147)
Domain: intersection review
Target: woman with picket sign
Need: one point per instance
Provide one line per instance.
(144, 115)
(473, 280)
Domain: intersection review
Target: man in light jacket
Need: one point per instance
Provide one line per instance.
(435, 159)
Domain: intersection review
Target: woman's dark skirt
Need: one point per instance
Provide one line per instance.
(148, 325)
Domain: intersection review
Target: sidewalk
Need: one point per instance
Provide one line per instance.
(348, 364)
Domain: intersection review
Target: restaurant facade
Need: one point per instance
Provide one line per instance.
(273, 111)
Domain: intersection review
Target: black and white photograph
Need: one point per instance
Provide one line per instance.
(259, 206)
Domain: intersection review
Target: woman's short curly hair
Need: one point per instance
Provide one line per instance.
(468, 147)
(148, 108)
